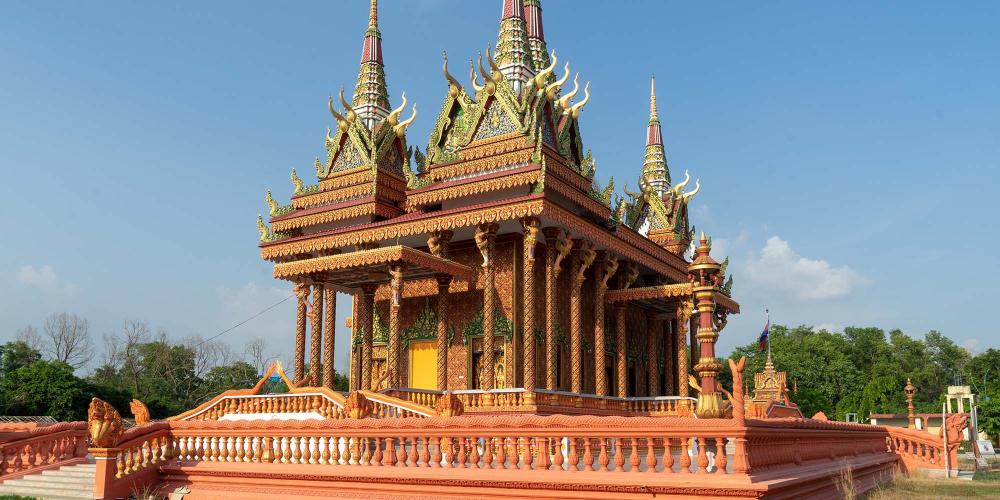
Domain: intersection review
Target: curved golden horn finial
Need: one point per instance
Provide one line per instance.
(482, 70)
(678, 188)
(564, 100)
(453, 86)
(497, 75)
(393, 117)
(697, 187)
(351, 115)
(543, 75)
(552, 88)
(575, 110)
(473, 77)
(342, 122)
(401, 128)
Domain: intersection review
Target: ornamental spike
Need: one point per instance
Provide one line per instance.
(575, 110)
(342, 122)
(393, 117)
(351, 115)
(543, 75)
(401, 128)
(697, 187)
(678, 188)
(473, 78)
(565, 100)
(454, 88)
(552, 88)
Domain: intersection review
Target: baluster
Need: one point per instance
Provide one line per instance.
(720, 456)
(501, 453)
(412, 455)
(119, 465)
(542, 448)
(366, 451)
(634, 460)
(573, 458)
(403, 455)
(604, 458)
(377, 455)
(307, 451)
(588, 457)
(525, 452)
(474, 453)
(296, 449)
(448, 452)
(354, 450)
(558, 453)
(651, 455)
(685, 458)
(488, 444)
(334, 450)
(286, 449)
(324, 446)
(702, 456)
(515, 452)
(425, 452)
(461, 453)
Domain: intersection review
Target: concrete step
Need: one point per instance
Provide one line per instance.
(55, 480)
(68, 472)
(47, 493)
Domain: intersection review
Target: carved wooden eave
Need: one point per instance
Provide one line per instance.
(664, 297)
(363, 267)
(444, 191)
(369, 206)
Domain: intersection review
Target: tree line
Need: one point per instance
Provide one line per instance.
(864, 370)
(38, 369)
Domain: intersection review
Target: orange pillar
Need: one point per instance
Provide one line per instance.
(442, 332)
(365, 324)
(329, 328)
(531, 231)
(395, 306)
(301, 291)
(316, 337)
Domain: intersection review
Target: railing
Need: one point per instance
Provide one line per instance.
(41, 448)
(388, 406)
(300, 403)
(545, 401)
(921, 449)
(655, 447)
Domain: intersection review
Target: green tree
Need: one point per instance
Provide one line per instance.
(15, 355)
(46, 388)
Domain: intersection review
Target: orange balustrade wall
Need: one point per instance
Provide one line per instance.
(42, 447)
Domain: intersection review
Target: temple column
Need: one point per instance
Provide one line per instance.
(316, 336)
(438, 243)
(557, 246)
(682, 321)
(608, 269)
(705, 273)
(364, 323)
(486, 242)
(354, 381)
(531, 232)
(301, 291)
(669, 371)
(622, 362)
(395, 305)
(442, 332)
(583, 257)
(653, 366)
(329, 329)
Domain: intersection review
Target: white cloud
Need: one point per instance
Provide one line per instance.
(779, 268)
(43, 278)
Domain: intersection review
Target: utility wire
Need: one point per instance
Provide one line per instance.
(241, 323)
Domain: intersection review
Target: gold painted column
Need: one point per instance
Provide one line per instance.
(442, 332)
(532, 228)
(705, 272)
(622, 362)
(682, 321)
(316, 336)
(301, 291)
(439, 242)
(669, 370)
(329, 330)
(395, 305)
(653, 355)
(364, 322)
(608, 269)
(557, 247)
(582, 259)
(354, 381)
(486, 242)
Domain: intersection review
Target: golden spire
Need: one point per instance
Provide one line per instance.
(654, 115)
(373, 15)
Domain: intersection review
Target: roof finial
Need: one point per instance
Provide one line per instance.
(653, 113)
(371, 97)
(373, 15)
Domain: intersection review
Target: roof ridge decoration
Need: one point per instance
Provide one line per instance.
(514, 55)
(654, 165)
(371, 95)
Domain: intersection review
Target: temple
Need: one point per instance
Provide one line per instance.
(517, 329)
(494, 259)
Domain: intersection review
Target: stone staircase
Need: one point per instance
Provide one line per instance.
(73, 482)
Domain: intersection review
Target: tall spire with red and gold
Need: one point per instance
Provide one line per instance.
(536, 34)
(654, 165)
(513, 55)
(371, 95)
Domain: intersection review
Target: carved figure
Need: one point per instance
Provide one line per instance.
(955, 424)
(631, 274)
(357, 406)
(587, 255)
(483, 242)
(532, 228)
(610, 268)
(301, 291)
(272, 206)
(434, 244)
(396, 271)
(140, 412)
(736, 397)
(448, 405)
(296, 182)
(563, 245)
(265, 233)
(104, 424)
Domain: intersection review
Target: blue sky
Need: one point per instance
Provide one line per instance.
(848, 151)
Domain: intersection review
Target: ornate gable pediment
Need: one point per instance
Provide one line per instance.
(496, 122)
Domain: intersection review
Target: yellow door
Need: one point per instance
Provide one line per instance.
(423, 365)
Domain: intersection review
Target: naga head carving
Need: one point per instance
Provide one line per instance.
(139, 411)
(104, 424)
(357, 406)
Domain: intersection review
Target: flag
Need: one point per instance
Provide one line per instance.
(762, 340)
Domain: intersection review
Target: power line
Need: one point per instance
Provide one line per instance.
(241, 323)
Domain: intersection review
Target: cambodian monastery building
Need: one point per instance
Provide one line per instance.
(492, 264)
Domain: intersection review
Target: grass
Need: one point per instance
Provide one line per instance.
(16, 497)
(986, 484)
